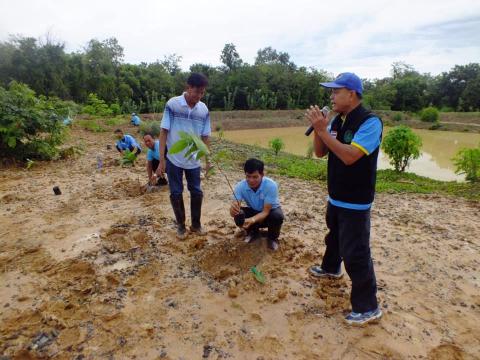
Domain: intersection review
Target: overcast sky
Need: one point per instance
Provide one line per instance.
(341, 35)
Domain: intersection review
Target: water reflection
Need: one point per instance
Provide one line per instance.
(437, 150)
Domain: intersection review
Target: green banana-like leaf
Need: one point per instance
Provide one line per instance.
(179, 146)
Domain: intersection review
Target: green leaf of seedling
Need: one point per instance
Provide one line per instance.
(200, 146)
(179, 146)
(258, 275)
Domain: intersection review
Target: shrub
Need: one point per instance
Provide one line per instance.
(467, 161)
(429, 114)
(401, 145)
(152, 127)
(96, 106)
(276, 145)
(30, 127)
(115, 109)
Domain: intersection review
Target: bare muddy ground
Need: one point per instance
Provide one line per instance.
(97, 273)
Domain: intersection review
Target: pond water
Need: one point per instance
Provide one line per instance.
(435, 162)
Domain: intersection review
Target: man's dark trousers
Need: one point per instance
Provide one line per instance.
(273, 221)
(349, 240)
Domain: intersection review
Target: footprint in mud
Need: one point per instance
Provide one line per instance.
(446, 352)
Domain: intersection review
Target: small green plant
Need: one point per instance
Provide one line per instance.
(116, 121)
(195, 148)
(276, 145)
(429, 114)
(129, 158)
(401, 145)
(467, 161)
(30, 163)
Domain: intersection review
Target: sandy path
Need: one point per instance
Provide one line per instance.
(97, 273)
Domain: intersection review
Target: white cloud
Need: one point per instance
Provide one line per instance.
(336, 36)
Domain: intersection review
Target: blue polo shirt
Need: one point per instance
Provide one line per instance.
(135, 120)
(267, 193)
(367, 139)
(155, 153)
(178, 116)
(127, 142)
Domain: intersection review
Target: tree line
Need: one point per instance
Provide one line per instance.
(273, 81)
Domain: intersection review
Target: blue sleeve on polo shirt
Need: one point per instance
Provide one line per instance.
(206, 131)
(271, 194)
(368, 136)
(165, 124)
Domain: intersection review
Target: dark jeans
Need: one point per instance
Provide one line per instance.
(349, 240)
(273, 222)
(131, 149)
(175, 179)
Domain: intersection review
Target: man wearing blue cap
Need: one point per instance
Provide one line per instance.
(352, 142)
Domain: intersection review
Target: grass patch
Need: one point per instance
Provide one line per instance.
(91, 125)
(116, 121)
(388, 181)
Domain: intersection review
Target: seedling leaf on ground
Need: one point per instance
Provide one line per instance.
(258, 275)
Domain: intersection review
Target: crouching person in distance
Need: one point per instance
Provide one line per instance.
(260, 194)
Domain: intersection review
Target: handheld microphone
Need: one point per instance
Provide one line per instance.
(325, 110)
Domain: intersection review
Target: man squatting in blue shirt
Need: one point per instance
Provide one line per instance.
(352, 142)
(155, 177)
(260, 194)
(126, 142)
(185, 113)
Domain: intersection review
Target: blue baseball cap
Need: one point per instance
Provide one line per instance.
(346, 80)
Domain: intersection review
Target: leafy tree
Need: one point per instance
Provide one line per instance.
(401, 145)
(230, 57)
(30, 127)
(467, 161)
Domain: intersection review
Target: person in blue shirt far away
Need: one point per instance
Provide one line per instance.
(260, 194)
(126, 142)
(135, 120)
(352, 142)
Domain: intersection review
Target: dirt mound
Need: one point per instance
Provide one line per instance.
(230, 257)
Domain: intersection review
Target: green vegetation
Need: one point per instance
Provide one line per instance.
(276, 144)
(152, 127)
(128, 158)
(467, 161)
(234, 155)
(273, 81)
(429, 114)
(30, 127)
(401, 145)
(91, 125)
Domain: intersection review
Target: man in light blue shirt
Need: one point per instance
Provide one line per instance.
(155, 177)
(260, 194)
(188, 114)
(135, 120)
